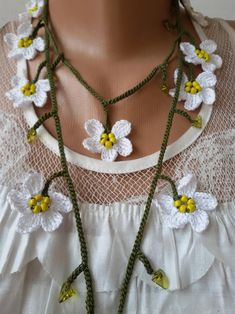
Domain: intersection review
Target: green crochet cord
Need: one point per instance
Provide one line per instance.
(136, 253)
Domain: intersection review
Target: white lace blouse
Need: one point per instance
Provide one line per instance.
(112, 196)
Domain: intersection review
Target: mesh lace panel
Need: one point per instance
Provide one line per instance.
(210, 157)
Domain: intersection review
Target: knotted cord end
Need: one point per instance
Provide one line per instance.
(160, 278)
(197, 122)
(67, 291)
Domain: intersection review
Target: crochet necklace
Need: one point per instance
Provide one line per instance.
(43, 207)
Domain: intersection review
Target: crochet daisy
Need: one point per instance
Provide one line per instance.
(190, 208)
(38, 210)
(108, 144)
(197, 91)
(25, 92)
(34, 9)
(204, 55)
(21, 45)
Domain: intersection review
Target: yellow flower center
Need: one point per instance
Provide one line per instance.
(39, 203)
(33, 9)
(185, 204)
(202, 54)
(108, 140)
(28, 89)
(25, 42)
(192, 87)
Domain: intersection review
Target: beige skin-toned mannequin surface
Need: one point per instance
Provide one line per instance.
(114, 45)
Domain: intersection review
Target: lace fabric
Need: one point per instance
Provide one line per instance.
(210, 156)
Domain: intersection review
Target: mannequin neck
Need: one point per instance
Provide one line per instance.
(109, 29)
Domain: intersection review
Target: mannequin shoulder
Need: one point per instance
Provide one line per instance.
(232, 24)
(5, 29)
(8, 66)
(8, 27)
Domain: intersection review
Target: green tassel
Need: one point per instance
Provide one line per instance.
(165, 89)
(31, 135)
(160, 278)
(197, 122)
(66, 292)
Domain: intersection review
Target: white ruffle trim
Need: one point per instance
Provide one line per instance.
(184, 255)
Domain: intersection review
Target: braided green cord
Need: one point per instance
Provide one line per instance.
(136, 246)
(36, 28)
(124, 95)
(77, 271)
(157, 175)
(164, 77)
(139, 236)
(82, 81)
(136, 252)
(52, 37)
(145, 262)
(191, 74)
(138, 86)
(39, 69)
(129, 92)
(184, 114)
(42, 119)
(191, 39)
(50, 179)
(106, 114)
(87, 275)
(43, 64)
(173, 187)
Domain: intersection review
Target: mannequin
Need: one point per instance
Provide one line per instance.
(114, 46)
(121, 225)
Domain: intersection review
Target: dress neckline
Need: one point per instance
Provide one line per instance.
(128, 166)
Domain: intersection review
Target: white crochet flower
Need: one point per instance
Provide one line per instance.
(197, 16)
(197, 91)
(204, 56)
(34, 9)
(20, 44)
(24, 92)
(190, 208)
(108, 144)
(37, 210)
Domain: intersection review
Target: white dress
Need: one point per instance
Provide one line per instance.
(200, 266)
